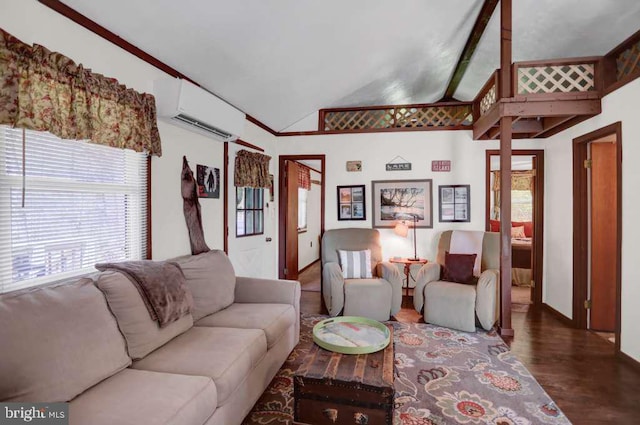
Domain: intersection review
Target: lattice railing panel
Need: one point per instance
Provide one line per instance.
(401, 117)
(556, 79)
(628, 61)
(489, 99)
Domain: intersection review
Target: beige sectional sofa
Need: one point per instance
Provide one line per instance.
(93, 343)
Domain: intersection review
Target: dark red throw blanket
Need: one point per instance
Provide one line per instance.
(191, 208)
(161, 285)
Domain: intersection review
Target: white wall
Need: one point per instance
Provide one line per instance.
(308, 245)
(420, 148)
(558, 252)
(32, 22)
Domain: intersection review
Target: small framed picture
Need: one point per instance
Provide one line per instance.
(351, 203)
(455, 203)
(208, 180)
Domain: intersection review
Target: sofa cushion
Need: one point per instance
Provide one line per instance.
(273, 319)
(57, 342)
(211, 279)
(134, 397)
(367, 298)
(143, 334)
(226, 355)
(450, 304)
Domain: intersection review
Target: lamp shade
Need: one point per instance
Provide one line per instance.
(401, 229)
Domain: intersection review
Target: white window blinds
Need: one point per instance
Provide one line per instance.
(83, 204)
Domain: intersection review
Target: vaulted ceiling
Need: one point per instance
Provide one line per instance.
(281, 60)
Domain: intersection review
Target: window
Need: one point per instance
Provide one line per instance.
(249, 211)
(521, 205)
(83, 204)
(303, 195)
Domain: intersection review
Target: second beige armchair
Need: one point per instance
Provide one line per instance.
(457, 305)
(377, 297)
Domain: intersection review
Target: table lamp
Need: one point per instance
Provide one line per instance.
(402, 230)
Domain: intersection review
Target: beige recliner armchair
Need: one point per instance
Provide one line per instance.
(377, 298)
(457, 305)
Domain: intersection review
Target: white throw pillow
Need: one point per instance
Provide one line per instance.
(355, 264)
(517, 232)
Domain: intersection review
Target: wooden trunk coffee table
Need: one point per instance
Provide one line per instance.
(332, 388)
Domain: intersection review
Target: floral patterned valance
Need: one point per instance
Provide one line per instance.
(304, 177)
(251, 169)
(520, 180)
(47, 91)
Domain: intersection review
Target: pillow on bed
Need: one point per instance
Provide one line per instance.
(518, 232)
(458, 268)
(528, 227)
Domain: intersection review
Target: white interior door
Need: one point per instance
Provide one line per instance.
(253, 255)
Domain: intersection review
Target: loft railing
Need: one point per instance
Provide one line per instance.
(487, 96)
(441, 116)
(561, 76)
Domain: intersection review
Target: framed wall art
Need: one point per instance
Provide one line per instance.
(351, 203)
(395, 200)
(455, 203)
(208, 180)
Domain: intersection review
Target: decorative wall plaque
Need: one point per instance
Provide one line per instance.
(354, 165)
(441, 166)
(396, 165)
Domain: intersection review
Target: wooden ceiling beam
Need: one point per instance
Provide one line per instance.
(469, 49)
(527, 126)
(549, 123)
(551, 108)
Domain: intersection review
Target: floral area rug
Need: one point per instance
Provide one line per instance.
(442, 377)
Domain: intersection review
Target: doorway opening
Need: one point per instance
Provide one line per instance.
(301, 219)
(597, 232)
(527, 220)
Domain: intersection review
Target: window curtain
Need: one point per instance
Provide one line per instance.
(304, 177)
(251, 170)
(520, 180)
(46, 91)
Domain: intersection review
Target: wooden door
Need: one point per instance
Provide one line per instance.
(291, 220)
(603, 236)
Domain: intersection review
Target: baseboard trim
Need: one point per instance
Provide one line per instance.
(635, 364)
(307, 266)
(564, 319)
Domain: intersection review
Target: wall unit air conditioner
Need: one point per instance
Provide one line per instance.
(188, 106)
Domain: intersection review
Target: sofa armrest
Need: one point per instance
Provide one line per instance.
(487, 298)
(430, 272)
(333, 288)
(256, 290)
(389, 272)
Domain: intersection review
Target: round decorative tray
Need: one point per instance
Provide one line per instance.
(351, 335)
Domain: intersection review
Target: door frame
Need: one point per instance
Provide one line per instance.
(282, 207)
(581, 222)
(538, 213)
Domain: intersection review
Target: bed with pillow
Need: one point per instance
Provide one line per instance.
(521, 250)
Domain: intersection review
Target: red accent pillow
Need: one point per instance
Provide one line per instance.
(458, 268)
(528, 227)
(494, 225)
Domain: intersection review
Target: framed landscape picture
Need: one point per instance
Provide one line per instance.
(351, 203)
(455, 203)
(395, 200)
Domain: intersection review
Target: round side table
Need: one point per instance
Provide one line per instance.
(408, 262)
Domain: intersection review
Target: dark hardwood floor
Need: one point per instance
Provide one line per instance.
(577, 368)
